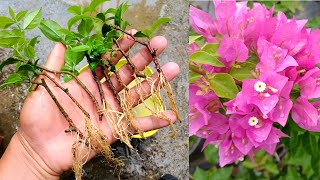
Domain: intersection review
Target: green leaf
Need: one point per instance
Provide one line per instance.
(85, 27)
(101, 16)
(50, 29)
(12, 79)
(156, 25)
(33, 19)
(203, 57)
(67, 77)
(141, 34)
(93, 6)
(211, 48)
(34, 41)
(11, 12)
(73, 58)
(193, 39)
(242, 71)
(29, 52)
(26, 67)
(5, 22)
(81, 48)
(118, 21)
(93, 65)
(75, 10)
(21, 15)
(221, 174)
(10, 38)
(223, 85)
(211, 154)
(199, 174)
(74, 20)
(105, 29)
(193, 77)
(7, 62)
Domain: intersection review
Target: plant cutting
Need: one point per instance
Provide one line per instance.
(100, 39)
(254, 83)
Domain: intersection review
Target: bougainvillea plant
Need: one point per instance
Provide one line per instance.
(93, 37)
(252, 72)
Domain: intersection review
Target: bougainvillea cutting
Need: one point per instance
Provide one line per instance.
(251, 69)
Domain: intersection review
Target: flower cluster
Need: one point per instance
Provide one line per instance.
(285, 78)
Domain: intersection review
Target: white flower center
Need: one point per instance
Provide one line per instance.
(260, 86)
(253, 121)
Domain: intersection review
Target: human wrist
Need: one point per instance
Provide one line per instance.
(20, 161)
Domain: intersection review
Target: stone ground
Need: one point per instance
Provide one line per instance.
(157, 156)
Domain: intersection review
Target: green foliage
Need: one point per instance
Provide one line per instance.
(223, 85)
(89, 33)
(314, 22)
(149, 32)
(33, 19)
(203, 57)
(242, 71)
(287, 7)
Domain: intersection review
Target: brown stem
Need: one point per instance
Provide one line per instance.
(94, 100)
(72, 126)
(96, 79)
(116, 73)
(133, 67)
(110, 85)
(66, 91)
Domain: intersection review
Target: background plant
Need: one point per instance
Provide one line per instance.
(292, 158)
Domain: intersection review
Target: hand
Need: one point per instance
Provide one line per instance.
(42, 131)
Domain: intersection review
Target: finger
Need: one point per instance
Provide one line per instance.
(140, 60)
(153, 122)
(170, 71)
(56, 58)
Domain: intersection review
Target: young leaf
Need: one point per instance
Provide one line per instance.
(9, 38)
(156, 25)
(5, 22)
(85, 27)
(12, 79)
(119, 13)
(32, 20)
(21, 15)
(211, 48)
(101, 16)
(29, 52)
(193, 39)
(34, 41)
(67, 78)
(94, 4)
(7, 62)
(50, 29)
(105, 29)
(26, 68)
(74, 20)
(75, 10)
(81, 48)
(73, 58)
(203, 57)
(93, 65)
(11, 12)
(242, 71)
(223, 85)
(140, 34)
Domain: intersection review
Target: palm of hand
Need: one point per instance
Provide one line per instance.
(43, 125)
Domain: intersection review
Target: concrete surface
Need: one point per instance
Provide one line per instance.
(158, 156)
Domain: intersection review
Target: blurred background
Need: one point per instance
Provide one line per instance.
(293, 158)
(156, 156)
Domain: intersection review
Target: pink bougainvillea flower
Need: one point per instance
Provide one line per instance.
(264, 92)
(281, 111)
(310, 83)
(273, 58)
(228, 152)
(238, 105)
(201, 105)
(202, 23)
(306, 114)
(233, 49)
(273, 139)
